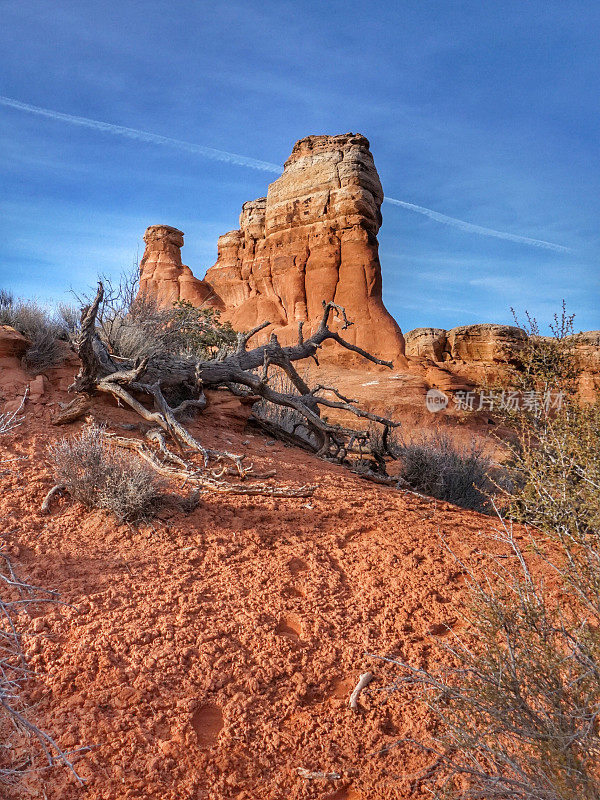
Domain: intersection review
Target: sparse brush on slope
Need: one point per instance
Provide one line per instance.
(517, 715)
(21, 740)
(100, 477)
(175, 385)
(44, 329)
(435, 464)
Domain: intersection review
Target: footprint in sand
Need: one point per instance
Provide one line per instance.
(207, 722)
(289, 627)
(291, 591)
(342, 688)
(345, 794)
(296, 565)
(441, 629)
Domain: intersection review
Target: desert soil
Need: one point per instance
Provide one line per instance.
(212, 654)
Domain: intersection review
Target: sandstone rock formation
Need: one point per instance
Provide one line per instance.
(12, 343)
(484, 343)
(313, 238)
(426, 343)
(587, 348)
(163, 276)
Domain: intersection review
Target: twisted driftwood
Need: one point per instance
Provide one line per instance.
(244, 373)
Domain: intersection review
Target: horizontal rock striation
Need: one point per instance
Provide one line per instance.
(313, 238)
(484, 343)
(426, 343)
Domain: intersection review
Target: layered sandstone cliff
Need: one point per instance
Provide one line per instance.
(312, 238)
(483, 343)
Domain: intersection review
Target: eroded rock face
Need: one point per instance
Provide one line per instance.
(312, 238)
(486, 343)
(426, 343)
(163, 276)
(587, 348)
(12, 343)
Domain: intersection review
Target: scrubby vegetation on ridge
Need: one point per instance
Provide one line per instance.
(45, 329)
(517, 715)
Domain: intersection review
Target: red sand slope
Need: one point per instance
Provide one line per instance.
(211, 655)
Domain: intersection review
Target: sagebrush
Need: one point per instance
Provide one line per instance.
(437, 465)
(44, 328)
(97, 475)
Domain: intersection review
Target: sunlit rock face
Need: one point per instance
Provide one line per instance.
(313, 238)
(426, 343)
(483, 343)
(486, 343)
(162, 275)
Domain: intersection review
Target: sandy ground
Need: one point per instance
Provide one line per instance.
(212, 654)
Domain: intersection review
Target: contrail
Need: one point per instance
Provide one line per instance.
(143, 136)
(469, 227)
(253, 163)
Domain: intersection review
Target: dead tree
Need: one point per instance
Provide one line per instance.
(245, 372)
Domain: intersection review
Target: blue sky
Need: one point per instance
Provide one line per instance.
(482, 111)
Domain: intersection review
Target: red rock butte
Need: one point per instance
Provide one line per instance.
(312, 238)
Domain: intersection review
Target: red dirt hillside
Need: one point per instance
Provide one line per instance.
(212, 654)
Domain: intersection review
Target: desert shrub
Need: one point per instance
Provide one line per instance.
(548, 363)
(556, 465)
(97, 475)
(283, 417)
(69, 318)
(516, 715)
(517, 712)
(201, 331)
(42, 327)
(435, 464)
(134, 326)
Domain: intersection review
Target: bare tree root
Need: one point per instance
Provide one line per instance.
(246, 374)
(309, 775)
(172, 466)
(56, 489)
(364, 680)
